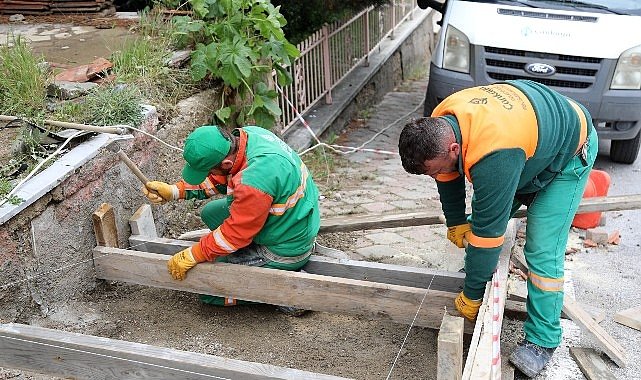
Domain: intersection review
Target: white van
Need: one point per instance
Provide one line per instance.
(588, 50)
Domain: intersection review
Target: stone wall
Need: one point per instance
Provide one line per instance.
(46, 248)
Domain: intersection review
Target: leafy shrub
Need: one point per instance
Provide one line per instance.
(242, 43)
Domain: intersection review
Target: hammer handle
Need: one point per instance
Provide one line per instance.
(134, 169)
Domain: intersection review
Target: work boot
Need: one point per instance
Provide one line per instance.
(292, 311)
(530, 358)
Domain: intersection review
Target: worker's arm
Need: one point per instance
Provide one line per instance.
(495, 179)
(248, 212)
(451, 188)
(212, 185)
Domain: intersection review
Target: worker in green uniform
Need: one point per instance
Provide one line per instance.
(270, 215)
(518, 143)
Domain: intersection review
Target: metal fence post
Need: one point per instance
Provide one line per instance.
(367, 42)
(327, 69)
(391, 35)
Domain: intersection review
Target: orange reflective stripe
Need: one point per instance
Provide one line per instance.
(280, 208)
(230, 301)
(583, 134)
(484, 242)
(545, 283)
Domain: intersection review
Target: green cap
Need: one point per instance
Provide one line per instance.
(204, 148)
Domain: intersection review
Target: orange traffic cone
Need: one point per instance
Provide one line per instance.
(597, 186)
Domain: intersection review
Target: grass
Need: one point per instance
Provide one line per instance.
(143, 61)
(23, 80)
(323, 163)
(5, 188)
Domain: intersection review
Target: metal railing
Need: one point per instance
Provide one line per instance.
(331, 53)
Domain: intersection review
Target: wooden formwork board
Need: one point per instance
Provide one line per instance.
(368, 222)
(478, 365)
(79, 356)
(304, 290)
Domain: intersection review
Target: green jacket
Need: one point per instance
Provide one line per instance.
(515, 137)
(273, 200)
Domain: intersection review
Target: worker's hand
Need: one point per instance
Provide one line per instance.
(456, 234)
(180, 263)
(159, 192)
(467, 307)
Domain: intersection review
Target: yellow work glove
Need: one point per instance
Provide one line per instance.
(159, 192)
(467, 307)
(180, 263)
(456, 234)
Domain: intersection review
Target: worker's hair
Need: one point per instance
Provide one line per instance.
(423, 139)
(229, 136)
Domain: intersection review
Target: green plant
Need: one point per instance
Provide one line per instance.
(106, 105)
(242, 43)
(142, 62)
(23, 80)
(5, 188)
(112, 105)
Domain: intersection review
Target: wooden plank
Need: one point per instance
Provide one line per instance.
(365, 222)
(78, 356)
(343, 268)
(194, 235)
(478, 364)
(368, 222)
(610, 346)
(161, 246)
(304, 290)
(629, 317)
(387, 273)
(104, 226)
(591, 364)
(142, 222)
(450, 348)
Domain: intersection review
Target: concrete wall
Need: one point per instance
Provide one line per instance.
(46, 248)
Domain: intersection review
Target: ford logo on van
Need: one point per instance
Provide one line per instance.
(541, 69)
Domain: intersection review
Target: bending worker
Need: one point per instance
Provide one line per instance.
(270, 216)
(517, 143)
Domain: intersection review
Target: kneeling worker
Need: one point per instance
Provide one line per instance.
(270, 216)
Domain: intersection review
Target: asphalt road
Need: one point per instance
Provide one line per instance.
(607, 279)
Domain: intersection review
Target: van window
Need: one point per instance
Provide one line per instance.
(623, 7)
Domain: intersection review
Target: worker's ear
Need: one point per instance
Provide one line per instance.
(454, 150)
(226, 164)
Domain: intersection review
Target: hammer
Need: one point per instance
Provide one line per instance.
(114, 147)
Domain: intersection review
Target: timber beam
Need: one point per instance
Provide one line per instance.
(303, 290)
(369, 222)
(79, 356)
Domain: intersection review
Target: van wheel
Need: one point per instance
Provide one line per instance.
(625, 151)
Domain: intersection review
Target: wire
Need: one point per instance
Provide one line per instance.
(336, 148)
(25, 179)
(152, 136)
(409, 329)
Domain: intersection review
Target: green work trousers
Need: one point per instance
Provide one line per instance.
(548, 223)
(213, 215)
